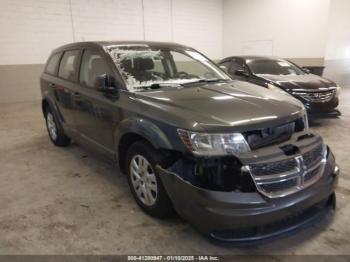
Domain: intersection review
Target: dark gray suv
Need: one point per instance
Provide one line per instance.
(239, 162)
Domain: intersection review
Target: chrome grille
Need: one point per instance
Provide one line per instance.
(311, 174)
(283, 185)
(274, 168)
(313, 157)
(277, 179)
(315, 96)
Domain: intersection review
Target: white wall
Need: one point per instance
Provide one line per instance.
(198, 23)
(337, 53)
(338, 42)
(106, 19)
(158, 20)
(286, 28)
(30, 29)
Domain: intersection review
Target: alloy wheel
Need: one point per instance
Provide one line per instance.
(143, 180)
(51, 126)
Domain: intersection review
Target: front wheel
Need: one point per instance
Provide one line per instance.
(144, 181)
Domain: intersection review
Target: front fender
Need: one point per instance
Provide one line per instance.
(144, 128)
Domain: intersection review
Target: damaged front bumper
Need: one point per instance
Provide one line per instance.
(252, 216)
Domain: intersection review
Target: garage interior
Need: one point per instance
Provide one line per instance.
(71, 201)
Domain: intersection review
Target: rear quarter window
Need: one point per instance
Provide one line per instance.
(69, 65)
(52, 64)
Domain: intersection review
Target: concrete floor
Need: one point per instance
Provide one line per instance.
(67, 201)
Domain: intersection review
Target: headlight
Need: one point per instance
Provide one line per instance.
(214, 144)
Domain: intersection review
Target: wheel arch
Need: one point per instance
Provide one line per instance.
(44, 104)
(48, 102)
(132, 130)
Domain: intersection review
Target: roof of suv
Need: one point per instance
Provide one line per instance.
(109, 43)
(258, 57)
(252, 57)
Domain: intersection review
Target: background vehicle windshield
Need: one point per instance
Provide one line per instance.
(273, 67)
(142, 66)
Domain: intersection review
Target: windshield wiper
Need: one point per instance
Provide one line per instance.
(157, 86)
(177, 85)
(211, 80)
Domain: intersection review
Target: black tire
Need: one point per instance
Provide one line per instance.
(60, 139)
(162, 207)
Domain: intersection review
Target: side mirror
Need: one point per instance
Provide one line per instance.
(241, 72)
(106, 84)
(306, 70)
(224, 68)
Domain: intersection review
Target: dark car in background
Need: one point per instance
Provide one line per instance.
(318, 94)
(237, 161)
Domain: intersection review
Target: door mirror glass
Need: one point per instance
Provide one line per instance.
(95, 73)
(106, 84)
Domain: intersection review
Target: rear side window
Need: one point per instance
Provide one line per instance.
(92, 66)
(52, 64)
(69, 65)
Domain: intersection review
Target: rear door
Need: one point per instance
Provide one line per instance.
(49, 76)
(97, 113)
(66, 86)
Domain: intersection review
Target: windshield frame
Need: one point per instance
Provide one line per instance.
(251, 61)
(185, 51)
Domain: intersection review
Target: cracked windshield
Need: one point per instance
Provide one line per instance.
(145, 68)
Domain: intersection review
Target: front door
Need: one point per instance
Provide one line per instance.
(97, 113)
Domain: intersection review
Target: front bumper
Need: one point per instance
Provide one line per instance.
(327, 108)
(240, 217)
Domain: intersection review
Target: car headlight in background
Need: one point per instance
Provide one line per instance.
(276, 88)
(205, 144)
(337, 90)
(305, 120)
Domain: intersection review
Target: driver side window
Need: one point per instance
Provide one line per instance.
(235, 66)
(92, 66)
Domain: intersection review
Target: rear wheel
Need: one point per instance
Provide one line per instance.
(144, 181)
(54, 130)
